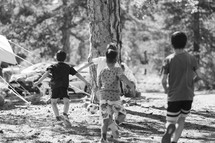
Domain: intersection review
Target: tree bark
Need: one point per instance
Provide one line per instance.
(196, 31)
(66, 28)
(105, 27)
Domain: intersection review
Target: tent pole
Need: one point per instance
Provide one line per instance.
(13, 90)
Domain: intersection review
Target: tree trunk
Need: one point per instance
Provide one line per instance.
(66, 27)
(196, 31)
(105, 27)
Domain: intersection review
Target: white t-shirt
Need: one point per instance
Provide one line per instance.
(129, 74)
(101, 64)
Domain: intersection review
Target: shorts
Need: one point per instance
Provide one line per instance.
(109, 95)
(60, 92)
(111, 109)
(176, 109)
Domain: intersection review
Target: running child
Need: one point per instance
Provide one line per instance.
(97, 64)
(100, 63)
(181, 71)
(60, 82)
(111, 108)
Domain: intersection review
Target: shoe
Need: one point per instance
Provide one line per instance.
(168, 134)
(66, 121)
(66, 115)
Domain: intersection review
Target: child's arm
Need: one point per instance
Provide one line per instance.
(82, 78)
(198, 76)
(42, 78)
(84, 66)
(129, 83)
(164, 83)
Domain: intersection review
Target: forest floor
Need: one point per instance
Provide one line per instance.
(144, 123)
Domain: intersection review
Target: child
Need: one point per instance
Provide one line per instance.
(180, 69)
(100, 63)
(109, 89)
(60, 82)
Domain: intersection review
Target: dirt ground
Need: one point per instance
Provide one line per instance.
(144, 124)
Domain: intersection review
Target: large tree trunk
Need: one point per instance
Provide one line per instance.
(104, 25)
(104, 28)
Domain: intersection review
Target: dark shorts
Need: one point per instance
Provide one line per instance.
(60, 92)
(178, 108)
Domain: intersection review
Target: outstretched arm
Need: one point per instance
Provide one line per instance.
(82, 78)
(164, 83)
(85, 66)
(198, 76)
(129, 83)
(42, 78)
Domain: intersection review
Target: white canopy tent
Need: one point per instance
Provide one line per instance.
(6, 53)
(8, 56)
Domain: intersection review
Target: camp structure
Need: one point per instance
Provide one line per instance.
(6, 53)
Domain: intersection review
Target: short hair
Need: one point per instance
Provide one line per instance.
(111, 56)
(179, 40)
(111, 46)
(60, 56)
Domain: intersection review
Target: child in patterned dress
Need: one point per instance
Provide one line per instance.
(109, 90)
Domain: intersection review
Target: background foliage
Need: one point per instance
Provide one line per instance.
(43, 27)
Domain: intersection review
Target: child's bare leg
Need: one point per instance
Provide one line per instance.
(66, 105)
(114, 129)
(179, 129)
(104, 128)
(54, 107)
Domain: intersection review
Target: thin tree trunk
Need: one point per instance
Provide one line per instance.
(67, 17)
(196, 31)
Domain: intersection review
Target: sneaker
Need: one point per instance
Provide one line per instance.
(66, 121)
(168, 134)
(66, 115)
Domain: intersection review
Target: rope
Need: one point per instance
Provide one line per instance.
(20, 46)
(22, 87)
(80, 90)
(15, 92)
(18, 56)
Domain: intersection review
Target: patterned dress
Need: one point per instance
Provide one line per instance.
(109, 85)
